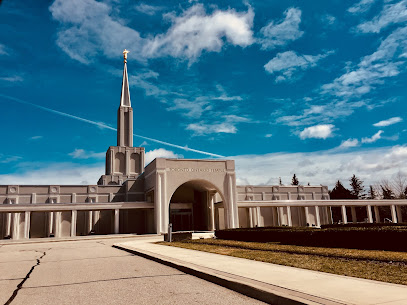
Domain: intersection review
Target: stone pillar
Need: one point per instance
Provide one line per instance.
(280, 215)
(393, 213)
(317, 216)
(57, 224)
(354, 217)
(116, 221)
(251, 225)
(27, 220)
(258, 216)
(90, 222)
(74, 218)
(399, 213)
(290, 222)
(344, 216)
(369, 213)
(15, 233)
(231, 217)
(307, 220)
(211, 205)
(157, 204)
(376, 213)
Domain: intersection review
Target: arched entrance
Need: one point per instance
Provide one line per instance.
(192, 206)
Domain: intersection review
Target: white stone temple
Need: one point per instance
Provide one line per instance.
(191, 194)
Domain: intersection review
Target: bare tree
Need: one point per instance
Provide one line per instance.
(398, 185)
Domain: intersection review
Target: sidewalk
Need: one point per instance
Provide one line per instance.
(269, 282)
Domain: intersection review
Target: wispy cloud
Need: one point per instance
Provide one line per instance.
(373, 138)
(288, 63)
(227, 126)
(276, 34)
(349, 143)
(361, 7)
(33, 138)
(9, 159)
(160, 153)
(148, 9)
(321, 131)
(103, 125)
(12, 79)
(392, 13)
(79, 153)
(3, 50)
(388, 122)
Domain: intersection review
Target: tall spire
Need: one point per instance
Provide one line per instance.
(125, 112)
(125, 98)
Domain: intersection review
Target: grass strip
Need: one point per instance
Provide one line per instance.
(385, 266)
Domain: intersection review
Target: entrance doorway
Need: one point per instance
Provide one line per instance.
(192, 206)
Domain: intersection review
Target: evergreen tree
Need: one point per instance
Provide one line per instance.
(372, 192)
(295, 181)
(356, 187)
(340, 192)
(387, 192)
(279, 181)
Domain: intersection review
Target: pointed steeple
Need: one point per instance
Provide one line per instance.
(125, 112)
(125, 98)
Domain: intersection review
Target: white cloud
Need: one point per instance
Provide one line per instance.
(326, 167)
(288, 63)
(54, 173)
(227, 126)
(3, 50)
(391, 13)
(9, 159)
(89, 29)
(373, 69)
(388, 122)
(269, 135)
(192, 109)
(196, 31)
(329, 19)
(148, 9)
(83, 154)
(280, 33)
(349, 143)
(12, 79)
(160, 153)
(361, 7)
(373, 138)
(322, 131)
(36, 138)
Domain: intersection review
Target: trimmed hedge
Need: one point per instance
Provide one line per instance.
(364, 224)
(392, 238)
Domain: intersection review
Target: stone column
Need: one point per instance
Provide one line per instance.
(74, 218)
(306, 211)
(393, 213)
(290, 222)
(344, 216)
(127, 158)
(157, 204)
(369, 213)
(399, 213)
(27, 220)
(57, 224)
(90, 222)
(15, 233)
(376, 213)
(211, 216)
(116, 221)
(354, 217)
(258, 216)
(231, 205)
(280, 212)
(317, 216)
(251, 225)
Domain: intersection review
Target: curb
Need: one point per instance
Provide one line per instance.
(251, 288)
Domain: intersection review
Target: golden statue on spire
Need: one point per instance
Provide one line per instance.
(125, 55)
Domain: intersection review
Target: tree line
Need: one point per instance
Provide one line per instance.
(395, 188)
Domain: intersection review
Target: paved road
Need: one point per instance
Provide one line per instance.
(92, 272)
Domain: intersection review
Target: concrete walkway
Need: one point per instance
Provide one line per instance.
(269, 282)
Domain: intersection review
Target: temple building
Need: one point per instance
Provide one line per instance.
(191, 194)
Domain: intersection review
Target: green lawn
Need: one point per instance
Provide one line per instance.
(386, 266)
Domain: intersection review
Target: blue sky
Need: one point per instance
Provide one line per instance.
(316, 88)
